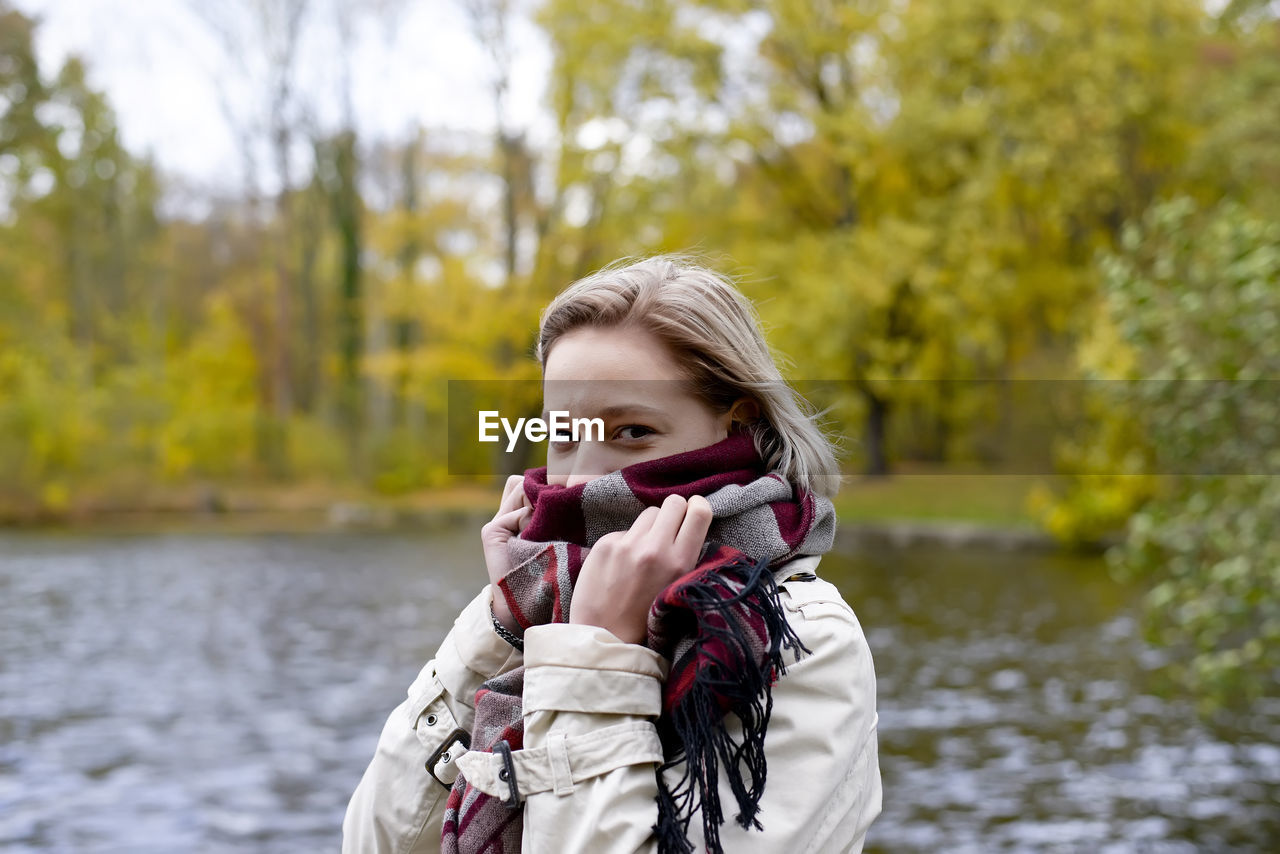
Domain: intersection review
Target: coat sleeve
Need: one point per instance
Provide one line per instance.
(580, 680)
(398, 805)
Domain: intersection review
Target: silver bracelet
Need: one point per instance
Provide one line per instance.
(503, 632)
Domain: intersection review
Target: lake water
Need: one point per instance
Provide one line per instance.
(210, 692)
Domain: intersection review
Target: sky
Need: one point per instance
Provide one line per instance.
(161, 66)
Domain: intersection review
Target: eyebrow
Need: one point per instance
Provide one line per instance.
(619, 410)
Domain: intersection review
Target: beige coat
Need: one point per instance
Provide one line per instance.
(586, 773)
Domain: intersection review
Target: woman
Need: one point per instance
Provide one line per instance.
(654, 647)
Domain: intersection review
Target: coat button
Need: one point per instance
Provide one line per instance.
(431, 719)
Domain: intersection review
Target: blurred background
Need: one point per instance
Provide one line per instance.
(1025, 255)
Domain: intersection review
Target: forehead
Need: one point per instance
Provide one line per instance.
(611, 368)
(609, 355)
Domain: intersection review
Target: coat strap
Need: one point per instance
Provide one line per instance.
(562, 762)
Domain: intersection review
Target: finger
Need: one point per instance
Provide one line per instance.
(640, 527)
(504, 520)
(511, 493)
(522, 521)
(514, 487)
(509, 520)
(512, 480)
(693, 529)
(667, 524)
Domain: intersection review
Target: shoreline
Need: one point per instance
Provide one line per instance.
(851, 534)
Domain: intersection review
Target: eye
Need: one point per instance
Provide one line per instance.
(562, 441)
(642, 431)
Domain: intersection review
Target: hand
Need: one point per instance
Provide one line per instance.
(513, 514)
(626, 570)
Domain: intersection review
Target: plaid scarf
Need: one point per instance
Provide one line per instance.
(723, 617)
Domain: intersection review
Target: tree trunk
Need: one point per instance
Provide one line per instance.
(346, 209)
(310, 230)
(377, 397)
(407, 329)
(877, 464)
(282, 337)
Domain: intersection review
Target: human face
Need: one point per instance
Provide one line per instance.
(629, 379)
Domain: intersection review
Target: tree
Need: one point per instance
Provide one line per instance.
(1191, 311)
(1232, 154)
(79, 276)
(918, 188)
(260, 42)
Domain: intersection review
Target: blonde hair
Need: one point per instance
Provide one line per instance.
(714, 333)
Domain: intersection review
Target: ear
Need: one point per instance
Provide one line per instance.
(743, 411)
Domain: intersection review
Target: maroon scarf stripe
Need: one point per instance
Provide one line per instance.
(477, 808)
(794, 519)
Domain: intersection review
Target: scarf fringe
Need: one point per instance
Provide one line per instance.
(698, 722)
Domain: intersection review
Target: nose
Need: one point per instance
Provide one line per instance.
(571, 480)
(586, 465)
(575, 479)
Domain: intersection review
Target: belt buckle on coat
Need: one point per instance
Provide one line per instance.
(508, 773)
(458, 735)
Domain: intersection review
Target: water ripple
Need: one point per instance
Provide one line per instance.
(182, 692)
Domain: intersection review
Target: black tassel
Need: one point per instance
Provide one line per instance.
(696, 730)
